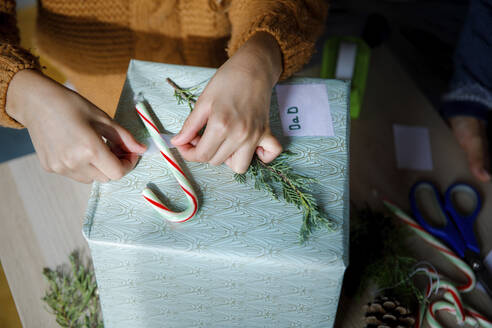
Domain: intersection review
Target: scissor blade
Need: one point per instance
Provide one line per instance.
(477, 265)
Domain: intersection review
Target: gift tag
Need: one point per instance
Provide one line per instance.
(412, 147)
(304, 110)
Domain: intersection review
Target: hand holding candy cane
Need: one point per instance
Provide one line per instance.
(178, 173)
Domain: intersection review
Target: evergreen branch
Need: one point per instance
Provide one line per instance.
(183, 95)
(72, 296)
(295, 188)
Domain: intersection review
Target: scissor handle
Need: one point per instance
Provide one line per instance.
(464, 223)
(449, 233)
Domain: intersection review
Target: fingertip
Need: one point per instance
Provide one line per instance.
(480, 173)
(186, 152)
(128, 163)
(269, 148)
(183, 138)
(133, 159)
(240, 170)
(483, 175)
(228, 162)
(267, 156)
(125, 140)
(260, 151)
(195, 141)
(191, 127)
(176, 139)
(138, 148)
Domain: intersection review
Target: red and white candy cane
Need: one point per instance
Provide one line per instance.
(453, 302)
(173, 165)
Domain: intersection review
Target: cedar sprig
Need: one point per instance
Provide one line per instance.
(72, 295)
(277, 178)
(184, 95)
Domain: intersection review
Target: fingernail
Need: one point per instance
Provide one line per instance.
(176, 137)
(260, 151)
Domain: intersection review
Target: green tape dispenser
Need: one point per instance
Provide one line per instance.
(347, 58)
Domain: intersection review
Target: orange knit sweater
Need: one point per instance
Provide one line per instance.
(92, 41)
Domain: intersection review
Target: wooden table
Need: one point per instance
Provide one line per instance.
(392, 97)
(41, 214)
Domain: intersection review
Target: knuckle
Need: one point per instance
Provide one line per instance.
(243, 130)
(256, 134)
(47, 168)
(88, 153)
(221, 124)
(57, 167)
(118, 173)
(202, 156)
(188, 157)
(71, 162)
(203, 104)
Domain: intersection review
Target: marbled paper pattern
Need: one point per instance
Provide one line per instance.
(239, 262)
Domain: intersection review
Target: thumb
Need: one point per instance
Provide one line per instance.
(268, 148)
(120, 137)
(193, 124)
(480, 173)
(472, 137)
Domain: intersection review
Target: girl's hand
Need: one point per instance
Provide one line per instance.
(67, 130)
(235, 108)
(471, 133)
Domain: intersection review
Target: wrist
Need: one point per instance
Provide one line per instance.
(264, 57)
(28, 90)
(18, 94)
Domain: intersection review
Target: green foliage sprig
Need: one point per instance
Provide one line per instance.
(184, 95)
(295, 189)
(72, 296)
(277, 178)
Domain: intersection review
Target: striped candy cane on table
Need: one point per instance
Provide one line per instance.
(173, 165)
(453, 303)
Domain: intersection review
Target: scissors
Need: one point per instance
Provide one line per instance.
(458, 229)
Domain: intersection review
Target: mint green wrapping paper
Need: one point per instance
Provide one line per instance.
(239, 262)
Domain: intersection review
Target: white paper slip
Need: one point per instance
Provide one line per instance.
(347, 53)
(152, 148)
(412, 147)
(304, 110)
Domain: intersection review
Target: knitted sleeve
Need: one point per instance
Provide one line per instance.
(296, 24)
(13, 58)
(470, 91)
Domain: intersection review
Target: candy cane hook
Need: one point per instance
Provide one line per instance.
(173, 165)
(453, 302)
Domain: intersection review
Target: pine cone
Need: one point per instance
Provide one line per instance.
(385, 312)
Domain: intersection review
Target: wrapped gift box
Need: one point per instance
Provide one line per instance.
(239, 262)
